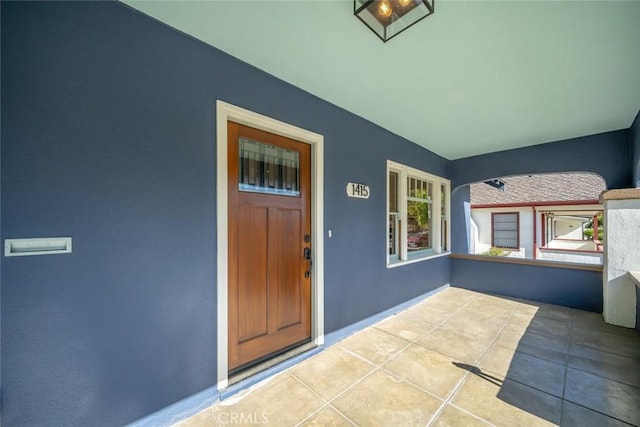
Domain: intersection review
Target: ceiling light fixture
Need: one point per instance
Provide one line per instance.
(496, 183)
(388, 18)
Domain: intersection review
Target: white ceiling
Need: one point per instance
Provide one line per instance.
(475, 77)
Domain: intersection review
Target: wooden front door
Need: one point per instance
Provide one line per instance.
(269, 233)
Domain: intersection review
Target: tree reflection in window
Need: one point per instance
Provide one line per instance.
(419, 216)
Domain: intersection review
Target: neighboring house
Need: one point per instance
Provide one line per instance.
(539, 217)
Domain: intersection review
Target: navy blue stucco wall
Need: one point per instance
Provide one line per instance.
(108, 136)
(460, 216)
(634, 146)
(606, 154)
(579, 289)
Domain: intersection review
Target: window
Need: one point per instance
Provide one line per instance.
(505, 230)
(417, 214)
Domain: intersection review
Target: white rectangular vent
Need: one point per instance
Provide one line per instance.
(38, 246)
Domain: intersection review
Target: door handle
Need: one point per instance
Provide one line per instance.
(307, 255)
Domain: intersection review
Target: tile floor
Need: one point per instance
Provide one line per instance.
(459, 358)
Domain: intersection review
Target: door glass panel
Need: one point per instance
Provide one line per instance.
(269, 169)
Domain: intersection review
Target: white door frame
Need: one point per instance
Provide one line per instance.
(226, 112)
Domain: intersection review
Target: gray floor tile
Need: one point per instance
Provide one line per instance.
(608, 365)
(594, 322)
(612, 343)
(549, 327)
(579, 416)
(603, 395)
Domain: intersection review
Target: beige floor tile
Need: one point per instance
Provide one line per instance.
(497, 359)
(326, 416)
(406, 326)
(430, 313)
(427, 369)
(381, 399)
(603, 395)
(464, 324)
(331, 372)
(281, 401)
(510, 336)
(201, 419)
(374, 345)
(526, 309)
(454, 417)
(447, 301)
(522, 320)
(527, 369)
(491, 304)
(486, 314)
(411, 381)
(456, 294)
(460, 347)
(507, 403)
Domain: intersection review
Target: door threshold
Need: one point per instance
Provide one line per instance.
(235, 378)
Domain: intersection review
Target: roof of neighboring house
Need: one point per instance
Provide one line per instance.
(556, 187)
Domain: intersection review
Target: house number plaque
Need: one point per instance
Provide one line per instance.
(359, 191)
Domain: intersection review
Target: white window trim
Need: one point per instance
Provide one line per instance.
(404, 258)
(226, 112)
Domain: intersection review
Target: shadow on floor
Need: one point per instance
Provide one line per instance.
(565, 366)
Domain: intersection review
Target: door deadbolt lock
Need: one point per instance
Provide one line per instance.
(307, 255)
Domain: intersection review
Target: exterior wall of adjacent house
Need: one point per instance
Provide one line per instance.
(567, 246)
(563, 255)
(569, 229)
(482, 218)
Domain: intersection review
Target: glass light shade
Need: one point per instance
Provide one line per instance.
(388, 18)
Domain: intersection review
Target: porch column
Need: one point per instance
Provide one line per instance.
(595, 228)
(621, 255)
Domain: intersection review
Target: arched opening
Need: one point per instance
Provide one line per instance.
(548, 217)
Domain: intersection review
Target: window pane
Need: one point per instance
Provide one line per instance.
(265, 168)
(418, 225)
(393, 234)
(443, 218)
(419, 189)
(393, 191)
(505, 230)
(411, 219)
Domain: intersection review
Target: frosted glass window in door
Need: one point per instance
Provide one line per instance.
(266, 168)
